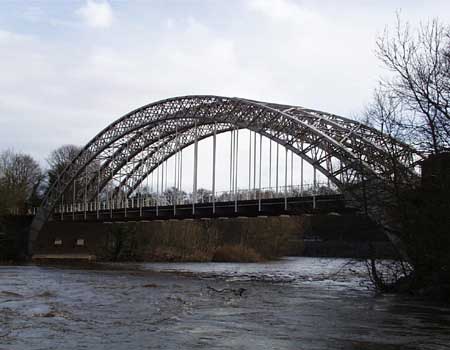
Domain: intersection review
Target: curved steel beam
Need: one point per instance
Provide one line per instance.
(277, 139)
(374, 150)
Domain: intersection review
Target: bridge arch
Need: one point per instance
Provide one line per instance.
(137, 143)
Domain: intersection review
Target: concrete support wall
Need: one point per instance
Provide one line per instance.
(175, 240)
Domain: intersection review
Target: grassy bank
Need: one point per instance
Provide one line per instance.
(231, 239)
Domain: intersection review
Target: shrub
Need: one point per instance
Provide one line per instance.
(236, 253)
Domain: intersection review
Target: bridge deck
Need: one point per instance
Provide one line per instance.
(267, 207)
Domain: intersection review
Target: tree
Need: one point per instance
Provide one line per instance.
(203, 195)
(173, 194)
(413, 106)
(20, 180)
(59, 159)
(420, 62)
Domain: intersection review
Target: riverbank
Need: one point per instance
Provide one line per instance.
(220, 239)
(244, 239)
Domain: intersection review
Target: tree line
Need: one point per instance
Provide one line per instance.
(23, 182)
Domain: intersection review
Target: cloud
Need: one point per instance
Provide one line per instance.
(282, 10)
(61, 86)
(96, 14)
(74, 88)
(33, 14)
(10, 38)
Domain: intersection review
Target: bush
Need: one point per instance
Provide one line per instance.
(236, 253)
(122, 244)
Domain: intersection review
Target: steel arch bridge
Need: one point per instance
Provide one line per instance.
(347, 152)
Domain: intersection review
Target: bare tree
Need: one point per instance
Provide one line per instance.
(385, 113)
(204, 195)
(173, 194)
(59, 159)
(20, 177)
(413, 105)
(419, 60)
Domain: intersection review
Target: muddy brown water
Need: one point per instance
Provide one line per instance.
(294, 303)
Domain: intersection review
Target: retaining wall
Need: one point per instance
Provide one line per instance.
(172, 240)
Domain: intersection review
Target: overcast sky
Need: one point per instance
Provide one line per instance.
(69, 68)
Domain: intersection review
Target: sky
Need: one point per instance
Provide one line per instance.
(70, 68)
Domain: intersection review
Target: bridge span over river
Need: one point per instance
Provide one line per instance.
(146, 208)
(260, 158)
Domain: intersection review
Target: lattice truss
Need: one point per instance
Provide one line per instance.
(131, 148)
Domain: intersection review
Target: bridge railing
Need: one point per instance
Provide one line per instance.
(27, 211)
(181, 198)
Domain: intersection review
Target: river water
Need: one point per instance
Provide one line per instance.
(294, 303)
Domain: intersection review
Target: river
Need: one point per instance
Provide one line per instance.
(293, 303)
